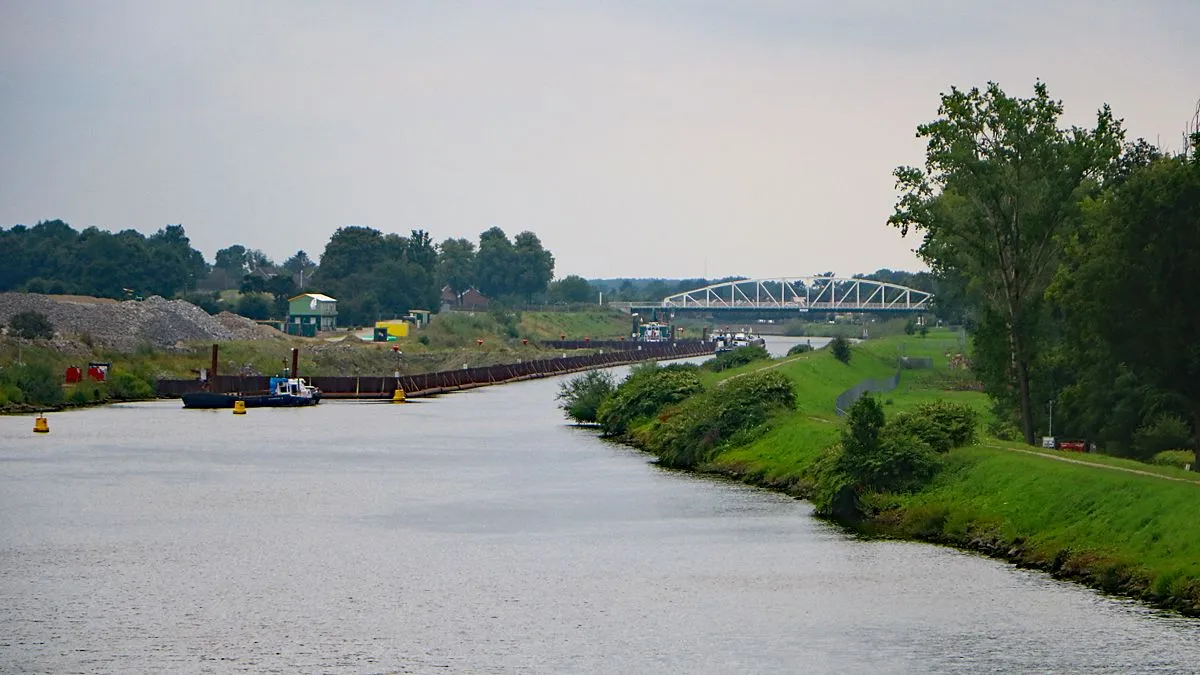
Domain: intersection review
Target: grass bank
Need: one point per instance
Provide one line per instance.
(1113, 524)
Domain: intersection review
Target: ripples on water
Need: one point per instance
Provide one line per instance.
(477, 533)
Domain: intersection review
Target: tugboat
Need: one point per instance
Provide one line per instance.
(284, 392)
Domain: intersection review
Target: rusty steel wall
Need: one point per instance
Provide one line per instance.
(449, 380)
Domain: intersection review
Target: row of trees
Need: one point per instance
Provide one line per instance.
(51, 257)
(371, 273)
(1074, 254)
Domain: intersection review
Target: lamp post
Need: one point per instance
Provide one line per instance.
(398, 355)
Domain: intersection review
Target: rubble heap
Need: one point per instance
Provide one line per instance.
(125, 326)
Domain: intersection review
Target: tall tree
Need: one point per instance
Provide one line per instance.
(1128, 292)
(301, 267)
(535, 266)
(495, 264)
(456, 264)
(1000, 185)
(571, 288)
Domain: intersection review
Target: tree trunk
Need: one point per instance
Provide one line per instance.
(1196, 436)
(1022, 373)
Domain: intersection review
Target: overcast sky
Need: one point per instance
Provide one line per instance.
(636, 138)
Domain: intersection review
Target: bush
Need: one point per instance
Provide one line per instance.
(209, 302)
(736, 357)
(732, 414)
(841, 349)
(940, 424)
(910, 326)
(125, 386)
(801, 348)
(254, 306)
(872, 457)
(35, 384)
(1177, 458)
(646, 391)
(1164, 432)
(794, 328)
(581, 396)
(30, 325)
(423, 339)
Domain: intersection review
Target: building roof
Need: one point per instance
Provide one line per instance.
(318, 296)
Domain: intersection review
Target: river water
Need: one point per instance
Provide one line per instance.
(477, 533)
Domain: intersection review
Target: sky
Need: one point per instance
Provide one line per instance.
(636, 138)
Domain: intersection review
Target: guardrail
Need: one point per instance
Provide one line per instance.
(428, 384)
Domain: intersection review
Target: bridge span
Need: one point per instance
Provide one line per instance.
(794, 295)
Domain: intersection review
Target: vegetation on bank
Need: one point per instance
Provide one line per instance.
(918, 463)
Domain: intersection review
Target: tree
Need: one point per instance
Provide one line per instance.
(1128, 295)
(581, 396)
(840, 347)
(254, 306)
(456, 264)
(30, 325)
(1000, 186)
(535, 266)
(300, 266)
(571, 288)
(495, 264)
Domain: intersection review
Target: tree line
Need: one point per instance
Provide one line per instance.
(374, 275)
(1074, 255)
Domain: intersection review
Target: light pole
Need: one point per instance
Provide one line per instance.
(1051, 434)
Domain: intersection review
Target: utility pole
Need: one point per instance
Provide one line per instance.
(1051, 434)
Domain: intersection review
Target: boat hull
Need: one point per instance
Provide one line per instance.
(212, 400)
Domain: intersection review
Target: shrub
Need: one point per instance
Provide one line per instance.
(209, 302)
(736, 357)
(253, 306)
(799, 349)
(30, 325)
(1177, 458)
(872, 457)
(646, 391)
(941, 424)
(126, 386)
(841, 349)
(581, 396)
(910, 326)
(794, 328)
(732, 414)
(33, 383)
(423, 339)
(1164, 432)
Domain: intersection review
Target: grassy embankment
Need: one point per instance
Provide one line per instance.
(1084, 519)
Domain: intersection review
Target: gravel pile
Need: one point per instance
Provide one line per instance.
(124, 326)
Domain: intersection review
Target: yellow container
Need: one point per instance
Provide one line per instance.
(396, 328)
(239, 407)
(41, 425)
(398, 396)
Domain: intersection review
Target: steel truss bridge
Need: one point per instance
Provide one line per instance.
(795, 294)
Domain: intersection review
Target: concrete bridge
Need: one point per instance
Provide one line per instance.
(778, 296)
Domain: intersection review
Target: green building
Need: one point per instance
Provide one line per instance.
(310, 313)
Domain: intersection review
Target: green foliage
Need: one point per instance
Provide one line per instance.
(254, 306)
(795, 328)
(910, 326)
(1180, 459)
(507, 321)
(209, 302)
(800, 348)
(126, 386)
(840, 347)
(423, 339)
(872, 457)
(690, 434)
(998, 194)
(51, 257)
(33, 383)
(456, 264)
(377, 276)
(647, 390)
(30, 325)
(736, 357)
(571, 289)
(1164, 432)
(940, 424)
(581, 396)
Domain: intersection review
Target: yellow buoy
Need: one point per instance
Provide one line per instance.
(398, 396)
(41, 425)
(239, 407)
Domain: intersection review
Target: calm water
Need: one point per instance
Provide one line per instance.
(477, 533)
